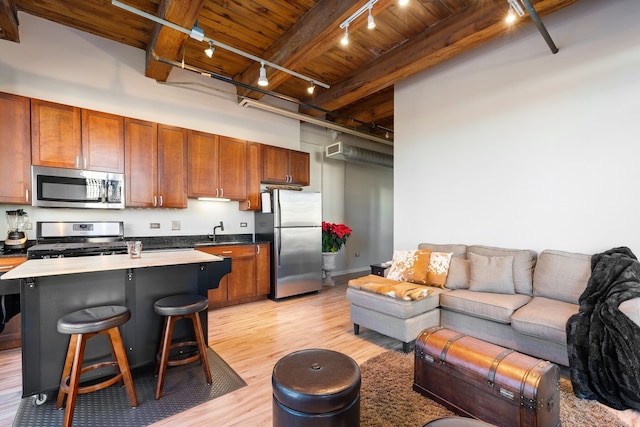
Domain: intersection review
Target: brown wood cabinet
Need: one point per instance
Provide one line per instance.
(67, 137)
(155, 165)
(56, 138)
(11, 336)
(249, 279)
(217, 166)
(254, 176)
(102, 141)
(15, 145)
(284, 166)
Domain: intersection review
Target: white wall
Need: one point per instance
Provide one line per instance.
(510, 145)
(357, 195)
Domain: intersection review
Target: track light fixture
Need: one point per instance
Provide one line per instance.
(345, 39)
(515, 8)
(262, 80)
(209, 51)
(311, 88)
(403, 2)
(371, 24)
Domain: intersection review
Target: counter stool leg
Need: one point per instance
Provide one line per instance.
(122, 367)
(74, 381)
(66, 370)
(164, 354)
(202, 347)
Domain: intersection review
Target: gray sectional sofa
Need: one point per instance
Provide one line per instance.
(511, 297)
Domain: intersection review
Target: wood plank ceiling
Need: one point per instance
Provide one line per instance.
(301, 35)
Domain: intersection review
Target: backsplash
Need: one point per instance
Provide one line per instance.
(198, 219)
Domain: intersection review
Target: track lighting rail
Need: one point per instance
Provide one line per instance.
(198, 34)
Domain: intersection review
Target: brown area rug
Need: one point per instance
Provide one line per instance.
(388, 399)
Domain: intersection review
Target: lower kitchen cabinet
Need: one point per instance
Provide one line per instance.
(11, 336)
(249, 279)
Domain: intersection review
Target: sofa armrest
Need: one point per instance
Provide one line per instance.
(631, 308)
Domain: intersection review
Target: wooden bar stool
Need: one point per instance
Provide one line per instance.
(174, 308)
(82, 325)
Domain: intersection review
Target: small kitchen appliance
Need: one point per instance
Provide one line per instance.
(16, 238)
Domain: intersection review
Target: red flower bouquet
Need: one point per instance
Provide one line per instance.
(334, 236)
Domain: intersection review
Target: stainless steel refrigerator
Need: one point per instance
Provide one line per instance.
(292, 223)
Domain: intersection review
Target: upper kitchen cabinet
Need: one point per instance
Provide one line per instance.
(217, 166)
(56, 137)
(15, 144)
(68, 137)
(283, 166)
(155, 165)
(102, 141)
(254, 176)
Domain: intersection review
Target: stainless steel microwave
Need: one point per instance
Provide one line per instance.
(73, 188)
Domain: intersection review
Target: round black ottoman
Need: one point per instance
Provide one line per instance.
(316, 388)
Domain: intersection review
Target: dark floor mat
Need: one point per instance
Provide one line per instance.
(184, 388)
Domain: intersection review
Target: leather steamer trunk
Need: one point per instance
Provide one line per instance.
(481, 380)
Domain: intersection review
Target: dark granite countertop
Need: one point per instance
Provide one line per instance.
(184, 242)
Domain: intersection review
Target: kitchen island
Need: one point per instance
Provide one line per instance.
(51, 288)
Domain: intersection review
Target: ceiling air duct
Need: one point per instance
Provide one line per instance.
(349, 153)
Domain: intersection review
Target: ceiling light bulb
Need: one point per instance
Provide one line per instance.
(345, 38)
(262, 80)
(371, 24)
(511, 17)
(403, 2)
(311, 88)
(209, 51)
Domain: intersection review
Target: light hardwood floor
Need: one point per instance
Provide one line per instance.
(251, 338)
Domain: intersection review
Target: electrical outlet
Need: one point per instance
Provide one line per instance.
(357, 254)
(175, 225)
(243, 224)
(154, 225)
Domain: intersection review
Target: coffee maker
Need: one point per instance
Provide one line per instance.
(16, 238)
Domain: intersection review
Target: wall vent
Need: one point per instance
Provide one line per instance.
(349, 153)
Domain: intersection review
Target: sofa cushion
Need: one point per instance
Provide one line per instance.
(561, 275)
(490, 306)
(544, 318)
(459, 251)
(392, 306)
(458, 276)
(438, 268)
(523, 262)
(410, 266)
(491, 274)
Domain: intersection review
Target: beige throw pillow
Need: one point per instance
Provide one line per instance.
(438, 268)
(410, 266)
(458, 276)
(491, 274)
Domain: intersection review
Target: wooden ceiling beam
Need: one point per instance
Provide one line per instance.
(369, 109)
(314, 34)
(166, 42)
(481, 22)
(9, 21)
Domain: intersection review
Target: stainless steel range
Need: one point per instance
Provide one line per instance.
(58, 239)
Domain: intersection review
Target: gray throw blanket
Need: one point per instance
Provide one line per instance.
(603, 344)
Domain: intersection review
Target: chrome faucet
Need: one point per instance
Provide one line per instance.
(221, 227)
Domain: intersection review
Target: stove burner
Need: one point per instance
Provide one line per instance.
(61, 250)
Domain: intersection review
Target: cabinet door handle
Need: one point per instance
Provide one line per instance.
(77, 161)
(248, 204)
(155, 201)
(227, 252)
(26, 195)
(222, 192)
(160, 201)
(257, 249)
